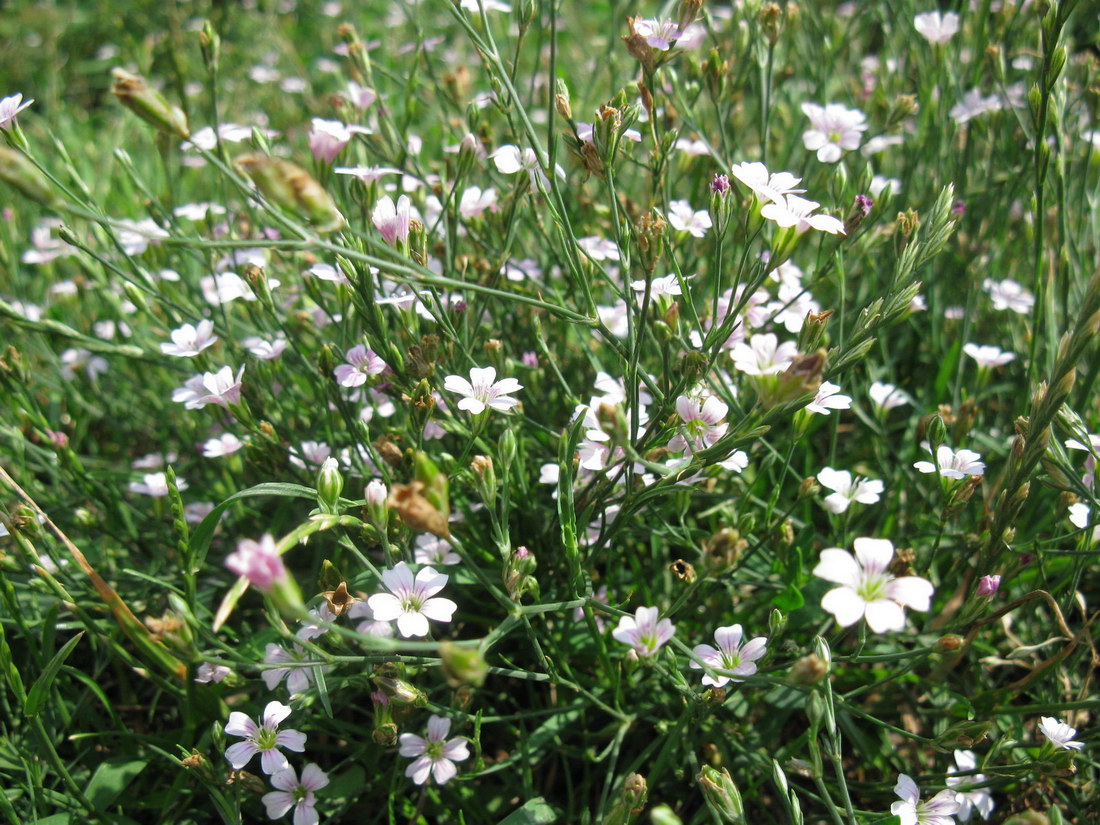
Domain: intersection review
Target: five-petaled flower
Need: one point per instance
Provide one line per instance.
(295, 793)
(911, 810)
(847, 490)
(436, 755)
(1059, 734)
(361, 363)
(189, 340)
(979, 799)
(702, 423)
(833, 130)
(867, 587)
(483, 390)
(643, 632)
(410, 601)
(954, 464)
(264, 739)
(730, 655)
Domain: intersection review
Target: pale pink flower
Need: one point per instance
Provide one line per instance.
(685, 219)
(361, 97)
(189, 340)
(258, 561)
(643, 632)
(730, 655)
(294, 793)
(483, 390)
(912, 811)
(298, 675)
(366, 174)
(979, 799)
(988, 585)
(701, 423)
(10, 107)
(798, 212)
(266, 350)
(434, 756)
(476, 200)
(829, 398)
(327, 272)
(220, 388)
(264, 739)
(1009, 294)
(328, 138)
(952, 464)
(764, 355)
(361, 363)
(599, 249)
(410, 601)
(155, 485)
(221, 446)
(658, 34)
(973, 104)
(1059, 734)
(74, 359)
(935, 27)
(370, 626)
(846, 490)
(833, 130)
(392, 222)
(867, 587)
(208, 672)
(434, 550)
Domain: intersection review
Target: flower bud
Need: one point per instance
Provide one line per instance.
(329, 486)
(777, 623)
(462, 665)
(485, 478)
(561, 100)
(507, 450)
(17, 171)
(400, 692)
(664, 815)
(808, 670)
(949, 643)
(988, 586)
(291, 187)
(721, 794)
(139, 97)
(1028, 818)
(821, 648)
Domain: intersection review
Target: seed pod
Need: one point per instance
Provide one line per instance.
(290, 186)
(143, 100)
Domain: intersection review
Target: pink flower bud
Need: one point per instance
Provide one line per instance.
(988, 585)
(259, 562)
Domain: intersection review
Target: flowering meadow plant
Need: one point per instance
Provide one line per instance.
(529, 412)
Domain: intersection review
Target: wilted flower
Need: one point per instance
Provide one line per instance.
(410, 601)
(435, 756)
(862, 490)
(867, 588)
(483, 390)
(264, 739)
(833, 130)
(643, 632)
(294, 793)
(730, 655)
(912, 811)
(952, 463)
(1059, 734)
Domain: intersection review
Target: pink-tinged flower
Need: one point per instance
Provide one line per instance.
(366, 174)
(764, 355)
(296, 794)
(370, 626)
(833, 130)
(912, 811)
(511, 159)
(328, 138)
(829, 398)
(730, 655)
(973, 104)
(766, 186)
(82, 359)
(434, 550)
(392, 222)
(476, 200)
(701, 423)
(599, 249)
(225, 444)
(1009, 294)
(208, 672)
(435, 755)
(327, 272)
(361, 363)
(935, 27)
(410, 601)
(846, 490)
(155, 485)
(979, 799)
(952, 464)
(988, 585)
(264, 739)
(658, 34)
(258, 561)
(988, 357)
(266, 350)
(886, 396)
(643, 632)
(1059, 734)
(298, 675)
(361, 97)
(189, 340)
(867, 588)
(483, 390)
(10, 107)
(798, 212)
(44, 246)
(685, 219)
(220, 388)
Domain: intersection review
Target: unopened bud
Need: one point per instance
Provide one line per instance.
(949, 643)
(664, 815)
(291, 187)
(561, 100)
(400, 692)
(808, 670)
(462, 665)
(721, 794)
(329, 486)
(377, 496)
(988, 586)
(485, 478)
(143, 100)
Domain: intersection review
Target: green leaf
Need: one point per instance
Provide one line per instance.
(347, 785)
(54, 819)
(111, 778)
(204, 533)
(789, 600)
(40, 690)
(534, 812)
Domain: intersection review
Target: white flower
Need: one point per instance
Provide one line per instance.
(764, 355)
(833, 130)
(483, 390)
(392, 222)
(987, 356)
(220, 388)
(361, 363)
(798, 212)
(952, 463)
(643, 632)
(298, 675)
(867, 588)
(829, 398)
(685, 219)
(1059, 733)
(764, 185)
(476, 200)
(10, 107)
(1008, 294)
(189, 340)
(266, 350)
(862, 490)
(658, 34)
(433, 756)
(198, 211)
(155, 485)
(370, 626)
(292, 793)
(912, 811)
(730, 655)
(935, 27)
(667, 286)
(80, 358)
(701, 423)
(434, 550)
(136, 237)
(1079, 515)
(208, 672)
(223, 445)
(973, 103)
(264, 739)
(979, 799)
(887, 396)
(366, 174)
(599, 249)
(410, 601)
(511, 159)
